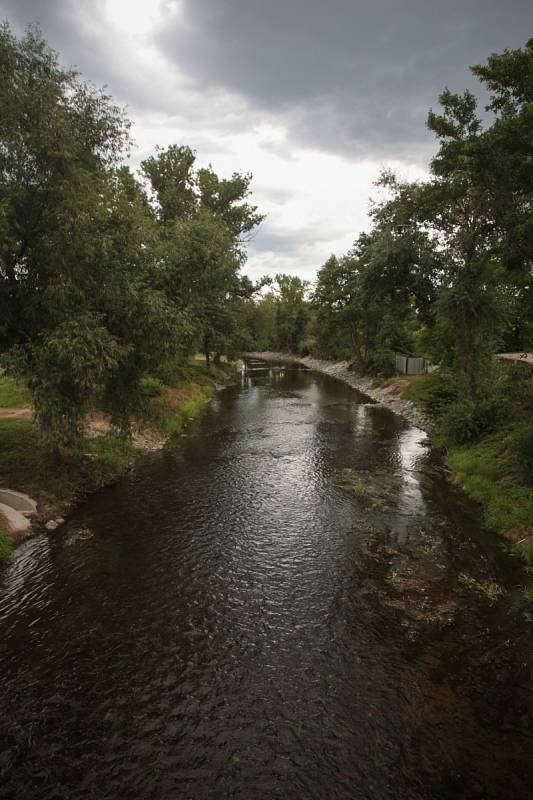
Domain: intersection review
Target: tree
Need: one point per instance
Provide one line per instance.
(291, 311)
(79, 314)
(203, 222)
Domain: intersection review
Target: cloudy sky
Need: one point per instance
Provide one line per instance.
(313, 97)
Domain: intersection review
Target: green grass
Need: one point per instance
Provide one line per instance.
(6, 548)
(489, 473)
(189, 389)
(109, 455)
(13, 392)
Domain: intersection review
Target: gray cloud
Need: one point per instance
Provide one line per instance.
(348, 77)
(352, 76)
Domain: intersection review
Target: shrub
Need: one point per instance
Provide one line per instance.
(514, 390)
(435, 392)
(382, 362)
(174, 371)
(521, 446)
(461, 423)
(151, 387)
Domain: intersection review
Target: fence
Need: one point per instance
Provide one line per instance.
(410, 366)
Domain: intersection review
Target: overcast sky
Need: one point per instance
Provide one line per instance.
(311, 96)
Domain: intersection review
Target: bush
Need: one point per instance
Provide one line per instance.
(382, 362)
(461, 423)
(151, 387)
(514, 390)
(174, 371)
(435, 392)
(521, 446)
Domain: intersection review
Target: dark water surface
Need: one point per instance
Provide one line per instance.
(230, 622)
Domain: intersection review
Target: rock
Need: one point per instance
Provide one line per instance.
(18, 500)
(13, 521)
(51, 525)
(60, 520)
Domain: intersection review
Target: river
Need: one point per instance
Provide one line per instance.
(291, 603)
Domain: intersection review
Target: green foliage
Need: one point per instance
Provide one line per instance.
(103, 278)
(13, 392)
(291, 311)
(151, 387)
(434, 392)
(278, 320)
(463, 421)
(64, 371)
(521, 445)
(488, 475)
(513, 390)
(110, 456)
(381, 362)
(6, 548)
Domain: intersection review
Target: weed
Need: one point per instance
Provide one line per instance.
(6, 547)
(489, 589)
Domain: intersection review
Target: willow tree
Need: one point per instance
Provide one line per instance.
(79, 316)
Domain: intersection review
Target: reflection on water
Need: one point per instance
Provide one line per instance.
(229, 622)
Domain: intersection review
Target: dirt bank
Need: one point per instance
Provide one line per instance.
(388, 396)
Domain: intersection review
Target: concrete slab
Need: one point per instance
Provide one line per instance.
(18, 500)
(13, 521)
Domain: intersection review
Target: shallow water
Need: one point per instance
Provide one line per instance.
(292, 603)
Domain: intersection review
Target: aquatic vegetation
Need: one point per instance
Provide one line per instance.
(490, 589)
(348, 480)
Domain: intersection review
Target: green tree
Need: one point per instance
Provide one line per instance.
(291, 311)
(79, 314)
(203, 225)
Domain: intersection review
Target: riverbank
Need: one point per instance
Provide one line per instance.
(104, 456)
(388, 394)
(487, 470)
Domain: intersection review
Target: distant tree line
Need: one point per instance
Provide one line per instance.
(445, 271)
(105, 276)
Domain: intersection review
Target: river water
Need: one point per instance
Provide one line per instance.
(291, 603)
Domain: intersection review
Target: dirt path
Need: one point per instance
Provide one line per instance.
(16, 412)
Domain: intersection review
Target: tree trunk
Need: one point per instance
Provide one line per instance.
(466, 355)
(216, 359)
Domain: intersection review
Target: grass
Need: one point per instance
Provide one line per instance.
(6, 548)
(186, 395)
(13, 392)
(489, 473)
